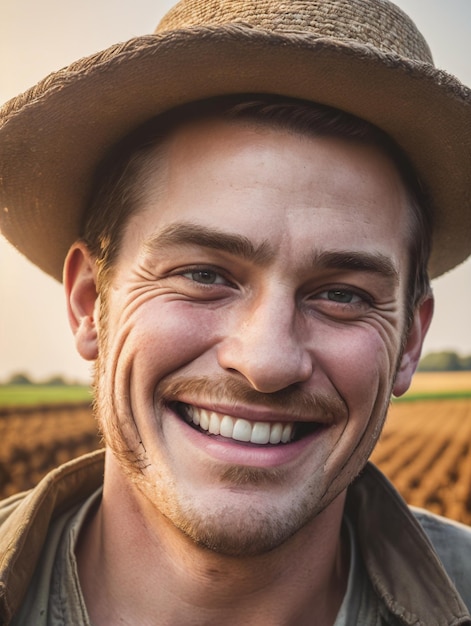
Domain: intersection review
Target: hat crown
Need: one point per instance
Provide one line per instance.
(377, 24)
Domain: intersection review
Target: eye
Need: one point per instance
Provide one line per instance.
(205, 277)
(342, 296)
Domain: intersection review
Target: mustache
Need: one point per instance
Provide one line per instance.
(292, 401)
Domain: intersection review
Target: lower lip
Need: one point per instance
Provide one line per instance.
(234, 452)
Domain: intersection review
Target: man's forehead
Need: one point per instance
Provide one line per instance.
(209, 148)
(221, 169)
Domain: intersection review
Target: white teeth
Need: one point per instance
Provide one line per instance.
(240, 429)
(286, 436)
(227, 426)
(214, 424)
(260, 433)
(194, 415)
(204, 419)
(276, 432)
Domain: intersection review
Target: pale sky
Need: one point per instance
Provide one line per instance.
(40, 36)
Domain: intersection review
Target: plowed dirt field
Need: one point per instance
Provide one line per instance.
(425, 450)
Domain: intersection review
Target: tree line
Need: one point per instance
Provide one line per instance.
(21, 378)
(446, 361)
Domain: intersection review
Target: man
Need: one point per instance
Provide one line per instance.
(244, 207)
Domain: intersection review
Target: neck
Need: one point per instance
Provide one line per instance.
(170, 580)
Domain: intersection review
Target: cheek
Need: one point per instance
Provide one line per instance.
(360, 362)
(361, 367)
(160, 338)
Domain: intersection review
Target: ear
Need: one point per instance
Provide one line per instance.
(82, 299)
(413, 347)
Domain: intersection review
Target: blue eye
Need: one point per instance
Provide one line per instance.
(205, 277)
(342, 296)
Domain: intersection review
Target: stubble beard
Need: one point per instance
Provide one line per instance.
(236, 530)
(248, 532)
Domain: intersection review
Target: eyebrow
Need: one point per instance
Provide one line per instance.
(183, 233)
(187, 233)
(369, 262)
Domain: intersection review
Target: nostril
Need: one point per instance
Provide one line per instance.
(270, 371)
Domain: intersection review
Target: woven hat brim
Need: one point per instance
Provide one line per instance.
(53, 137)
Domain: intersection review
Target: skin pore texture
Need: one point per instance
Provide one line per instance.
(258, 296)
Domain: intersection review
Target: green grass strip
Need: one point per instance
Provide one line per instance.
(434, 395)
(31, 395)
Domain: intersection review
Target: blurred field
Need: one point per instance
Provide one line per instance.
(436, 382)
(33, 440)
(425, 448)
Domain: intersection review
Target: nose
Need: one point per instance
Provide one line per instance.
(268, 346)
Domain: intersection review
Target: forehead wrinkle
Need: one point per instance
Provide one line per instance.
(187, 233)
(369, 262)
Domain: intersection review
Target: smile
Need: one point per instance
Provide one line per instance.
(239, 429)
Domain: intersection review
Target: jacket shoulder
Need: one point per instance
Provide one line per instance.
(10, 504)
(25, 520)
(452, 542)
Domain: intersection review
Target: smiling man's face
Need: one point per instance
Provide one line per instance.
(254, 329)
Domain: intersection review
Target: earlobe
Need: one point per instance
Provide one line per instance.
(82, 298)
(413, 347)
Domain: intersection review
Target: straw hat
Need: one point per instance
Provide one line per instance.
(363, 56)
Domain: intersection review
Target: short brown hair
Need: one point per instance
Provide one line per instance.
(117, 185)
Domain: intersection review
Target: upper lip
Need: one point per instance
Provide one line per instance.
(255, 413)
